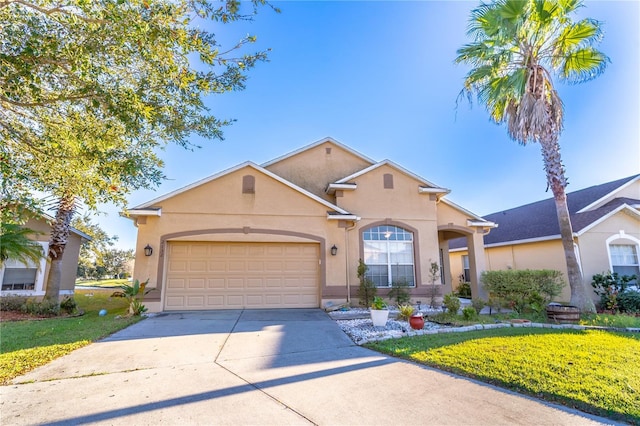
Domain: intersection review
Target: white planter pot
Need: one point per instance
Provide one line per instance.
(379, 317)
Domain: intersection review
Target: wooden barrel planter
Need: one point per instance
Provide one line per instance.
(563, 314)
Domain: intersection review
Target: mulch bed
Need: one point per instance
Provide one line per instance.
(6, 316)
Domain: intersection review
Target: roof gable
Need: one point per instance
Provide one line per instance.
(249, 164)
(314, 145)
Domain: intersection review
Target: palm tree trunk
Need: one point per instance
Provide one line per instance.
(557, 182)
(57, 243)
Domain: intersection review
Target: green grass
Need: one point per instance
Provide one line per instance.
(594, 371)
(103, 283)
(607, 320)
(26, 345)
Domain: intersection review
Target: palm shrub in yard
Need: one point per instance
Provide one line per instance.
(524, 290)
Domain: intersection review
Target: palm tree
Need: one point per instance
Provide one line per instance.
(518, 46)
(16, 245)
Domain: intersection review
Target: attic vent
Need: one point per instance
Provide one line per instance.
(388, 181)
(327, 150)
(248, 184)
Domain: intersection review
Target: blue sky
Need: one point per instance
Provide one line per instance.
(380, 78)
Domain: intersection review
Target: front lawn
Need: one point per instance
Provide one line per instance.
(26, 345)
(594, 371)
(114, 283)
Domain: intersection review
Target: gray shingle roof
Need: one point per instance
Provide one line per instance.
(537, 220)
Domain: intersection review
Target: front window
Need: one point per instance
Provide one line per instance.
(388, 252)
(624, 259)
(19, 279)
(466, 271)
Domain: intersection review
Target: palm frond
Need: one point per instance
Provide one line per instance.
(16, 245)
(583, 65)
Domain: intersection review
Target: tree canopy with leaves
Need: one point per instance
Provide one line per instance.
(518, 47)
(91, 91)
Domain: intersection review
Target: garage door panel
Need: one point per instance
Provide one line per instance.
(215, 275)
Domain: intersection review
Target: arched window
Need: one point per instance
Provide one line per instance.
(623, 255)
(388, 252)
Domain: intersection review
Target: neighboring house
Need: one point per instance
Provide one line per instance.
(30, 280)
(289, 233)
(606, 226)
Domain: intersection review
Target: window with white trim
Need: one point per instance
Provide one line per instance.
(16, 276)
(624, 259)
(466, 270)
(388, 252)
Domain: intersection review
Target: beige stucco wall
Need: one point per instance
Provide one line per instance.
(70, 256)
(621, 228)
(219, 211)
(314, 168)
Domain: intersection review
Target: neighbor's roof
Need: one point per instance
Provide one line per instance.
(539, 221)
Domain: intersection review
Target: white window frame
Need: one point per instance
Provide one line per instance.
(389, 265)
(38, 289)
(466, 267)
(614, 240)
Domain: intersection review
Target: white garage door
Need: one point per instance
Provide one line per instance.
(206, 275)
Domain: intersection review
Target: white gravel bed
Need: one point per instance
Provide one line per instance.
(362, 331)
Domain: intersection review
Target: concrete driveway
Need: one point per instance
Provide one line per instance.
(273, 367)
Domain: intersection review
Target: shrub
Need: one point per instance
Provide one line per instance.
(629, 302)
(477, 304)
(608, 286)
(367, 289)
(464, 289)
(68, 305)
(134, 295)
(399, 292)
(452, 303)
(469, 313)
(12, 303)
(45, 308)
(405, 312)
(524, 290)
(378, 303)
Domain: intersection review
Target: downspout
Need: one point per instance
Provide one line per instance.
(346, 244)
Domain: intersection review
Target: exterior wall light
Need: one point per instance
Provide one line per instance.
(334, 250)
(148, 250)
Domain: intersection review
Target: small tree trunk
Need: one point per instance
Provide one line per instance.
(57, 243)
(557, 182)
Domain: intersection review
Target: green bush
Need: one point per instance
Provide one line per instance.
(367, 289)
(69, 305)
(609, 286)
(469, 313)
(464, 290)
(399, 292)
(478, 304)
(524, 290)
(629, 302)
(45, 308)
(12, 303)
(405, 312)
(452, 303)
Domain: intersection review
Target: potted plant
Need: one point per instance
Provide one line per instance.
(379, 312)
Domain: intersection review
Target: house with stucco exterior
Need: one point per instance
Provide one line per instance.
(29, 280)
(606, 226)
(289, 233)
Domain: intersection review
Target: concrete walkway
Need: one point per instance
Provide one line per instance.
(263, 367)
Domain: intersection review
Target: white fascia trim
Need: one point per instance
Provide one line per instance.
(333, 187)
(143, 212)
(481, 223)
(609, 195)
(424, 190)
(393, 165)
(313, 145)
(46, 217)
(462, 210)
(343, 217)
(630, 210)
(236, 168)
(458, 249)
(526, 241)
